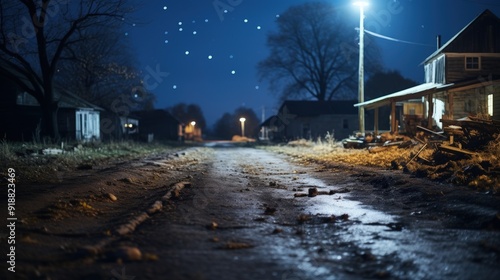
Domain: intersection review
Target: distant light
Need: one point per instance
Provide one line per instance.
(225, 11)
(245, 20)
(193, 123)
(242, 120)
(257, 87)
(164, 7)
(174, 87)
(133, 24)
(210, 57)
(194, 32)
(126, 33)
(180, 29)
(277, 16)
(194, 21)
(233, 72)
(166, 41)
(258, 27)
(180, 22)
(206, 20)
(231, 56)
(166, 32)
(187, 52)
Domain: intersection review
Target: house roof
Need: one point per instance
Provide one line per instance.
(156, 116)
(69, 100)
(471, 32)
(271, 121)
(409, 93)
(315, 108)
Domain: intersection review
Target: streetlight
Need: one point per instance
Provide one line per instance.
(242, 120)
(193, 123)
(361, 81)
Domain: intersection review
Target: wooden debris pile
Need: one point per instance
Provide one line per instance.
(460, 138)
(466, 152)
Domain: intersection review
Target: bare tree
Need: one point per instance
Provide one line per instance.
(313, 54)
(229, 124)
(188, 113)
(104, 70)
(36, 34)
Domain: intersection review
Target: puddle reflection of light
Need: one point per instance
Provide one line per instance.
(370, 229)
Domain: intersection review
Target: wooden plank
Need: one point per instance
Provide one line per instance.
(430, 131)
(456, 150)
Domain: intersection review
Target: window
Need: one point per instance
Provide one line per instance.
(472, 63)
(490, 104)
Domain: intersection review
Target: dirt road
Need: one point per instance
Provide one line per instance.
(243, 213)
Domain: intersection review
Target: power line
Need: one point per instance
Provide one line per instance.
(394, 39)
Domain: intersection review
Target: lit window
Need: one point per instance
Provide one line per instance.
(472, 63)
(490, 104)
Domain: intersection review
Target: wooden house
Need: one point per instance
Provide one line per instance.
(116, 126)
(312, 120)
(159, 124)
(462, 78)
(20, 115)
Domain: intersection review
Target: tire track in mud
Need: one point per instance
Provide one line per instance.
(241, 219)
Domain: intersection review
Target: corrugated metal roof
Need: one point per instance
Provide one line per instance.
(413, 92)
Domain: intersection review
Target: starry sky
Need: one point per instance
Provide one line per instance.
(206, 51)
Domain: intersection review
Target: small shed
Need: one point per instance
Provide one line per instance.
(77, 119)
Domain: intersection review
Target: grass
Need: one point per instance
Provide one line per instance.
(34, 167)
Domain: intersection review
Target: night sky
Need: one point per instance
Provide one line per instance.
(191, 52)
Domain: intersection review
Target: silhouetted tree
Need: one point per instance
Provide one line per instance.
(36, 35)
(313, 54)
(188, 113)
(103, 71)
(386, 82)
(226, 126)
(229, 124)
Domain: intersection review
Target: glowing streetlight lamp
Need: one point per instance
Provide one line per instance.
(242, 120)
(361, 81)
(193, 123)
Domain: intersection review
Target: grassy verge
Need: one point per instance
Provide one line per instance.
(33, 166)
